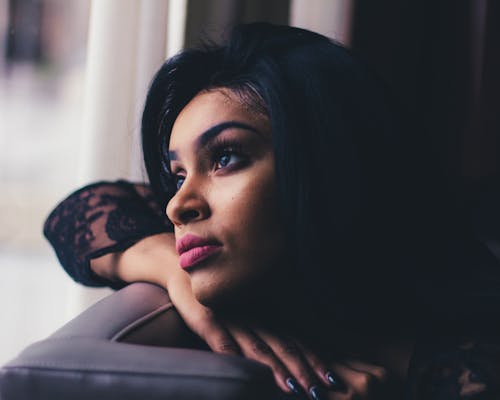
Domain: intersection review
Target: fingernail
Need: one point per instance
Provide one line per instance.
(335, 382)
(316, 393)
(332, 379)
(293, 385)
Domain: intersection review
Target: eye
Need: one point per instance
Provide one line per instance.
(226, 158)
(178, 180)
(226, 153)
(229, 156)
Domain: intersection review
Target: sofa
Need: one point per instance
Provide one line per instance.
(131, 345)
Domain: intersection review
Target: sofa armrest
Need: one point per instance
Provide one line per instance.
(92, 357)
(140, 313)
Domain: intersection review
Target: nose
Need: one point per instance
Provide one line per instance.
(188, 204)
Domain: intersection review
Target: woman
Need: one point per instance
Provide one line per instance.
(301, 208)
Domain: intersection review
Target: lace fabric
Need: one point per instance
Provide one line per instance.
(102, 218)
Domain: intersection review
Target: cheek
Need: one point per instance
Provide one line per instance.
(248, 215)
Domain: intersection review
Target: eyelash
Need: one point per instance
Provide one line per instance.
(218, 148)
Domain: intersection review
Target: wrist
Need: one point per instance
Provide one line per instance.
(152, 259)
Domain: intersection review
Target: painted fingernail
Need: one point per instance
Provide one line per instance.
(316, 393)
(293, 385)
(335, 382)
(331, 378)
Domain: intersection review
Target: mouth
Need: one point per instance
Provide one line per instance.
(193, 250)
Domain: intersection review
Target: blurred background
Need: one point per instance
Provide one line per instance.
(73, 77)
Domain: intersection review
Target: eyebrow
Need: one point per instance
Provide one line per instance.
(213, 132)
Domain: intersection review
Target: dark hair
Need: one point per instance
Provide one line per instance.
(346, 170)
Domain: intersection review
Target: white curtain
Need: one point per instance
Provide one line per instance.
(127, 43)
(332, 18)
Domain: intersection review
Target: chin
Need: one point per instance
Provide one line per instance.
(206, 292)
(214, 301)
(226, 292)
(216, 296)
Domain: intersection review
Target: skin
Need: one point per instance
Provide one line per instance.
(227, 193)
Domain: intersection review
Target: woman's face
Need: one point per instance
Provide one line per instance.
(225, 211)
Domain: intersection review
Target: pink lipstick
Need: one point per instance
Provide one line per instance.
(193, 249)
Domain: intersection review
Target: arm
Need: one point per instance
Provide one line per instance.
(102, 219)
(151, 259)
(114, 233)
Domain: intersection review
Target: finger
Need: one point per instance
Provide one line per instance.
(291, 355)
(358, 384)
(378, 372)
(319, 367)
(256, 349)
(214, 333)
(220, 340)
(200, 319)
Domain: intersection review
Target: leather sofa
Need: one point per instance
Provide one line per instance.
(129, 346)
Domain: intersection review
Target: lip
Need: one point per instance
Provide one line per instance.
(193, 249)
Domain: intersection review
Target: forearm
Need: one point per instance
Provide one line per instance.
(98, 219)
(152, 259)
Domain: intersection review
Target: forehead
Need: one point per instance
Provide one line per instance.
(210, 108)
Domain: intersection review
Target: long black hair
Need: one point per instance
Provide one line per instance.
(360, 211)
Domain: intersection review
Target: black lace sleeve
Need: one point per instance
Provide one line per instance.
(98, 219)
(456, 369)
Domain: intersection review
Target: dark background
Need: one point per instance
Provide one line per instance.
(441, 58)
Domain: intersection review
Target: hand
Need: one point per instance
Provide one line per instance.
(347, 380)
(295, 368)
